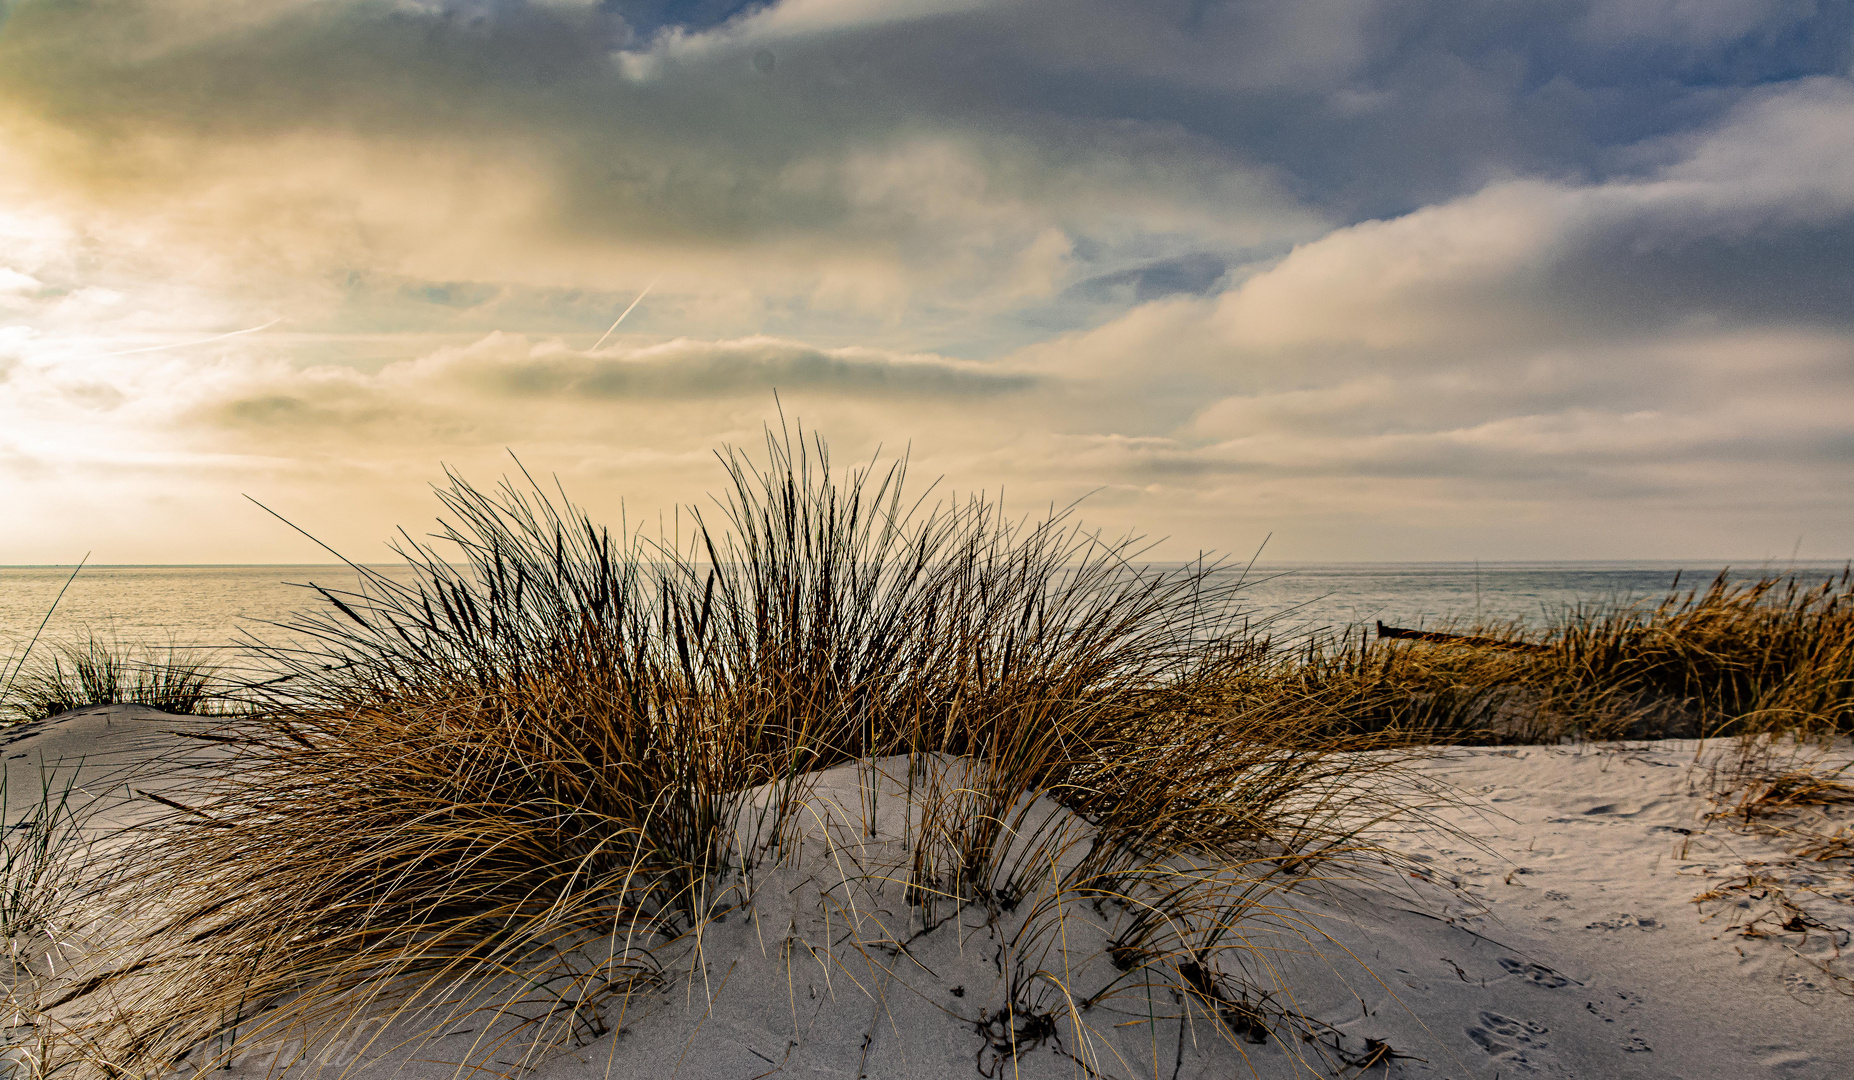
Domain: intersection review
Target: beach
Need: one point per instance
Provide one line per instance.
(833, 793)
(1542, 922)
(853, 540)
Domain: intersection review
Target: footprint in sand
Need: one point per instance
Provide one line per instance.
(1624, 921)
(1515, 1041)
(1782, 1059)
(1799, 983)
(1536, 974)
(1622, 1004)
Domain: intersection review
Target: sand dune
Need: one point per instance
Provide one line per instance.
(1549, 929)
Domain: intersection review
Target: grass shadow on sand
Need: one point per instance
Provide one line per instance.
(513, 802)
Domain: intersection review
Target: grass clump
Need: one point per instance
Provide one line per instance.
(99, 671)
(13, 665)
(1348, 685)
(35, 849)
(1765, 656)
(41, 844)
(519, 789)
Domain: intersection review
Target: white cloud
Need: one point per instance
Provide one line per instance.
(502, 372)
(796, 17)
(1453, 353)
(1497, 270)
(1430, 270)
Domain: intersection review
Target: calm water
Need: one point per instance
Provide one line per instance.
(184, 605)
(211, 605)
(1418, 594)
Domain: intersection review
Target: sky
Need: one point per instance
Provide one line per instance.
(1360, 279)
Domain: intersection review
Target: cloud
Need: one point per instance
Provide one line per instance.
(896, 161)
(503, 143)
(1745, 230)
(777, 22)
(685, 369)
(1690, 22)
(1434, 269)
(1657, 340)
(507, 390)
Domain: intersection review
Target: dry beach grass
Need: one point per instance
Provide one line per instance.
(101, 671)
(46, 678)
(498, 811)
(516, 795)
(1767, 657)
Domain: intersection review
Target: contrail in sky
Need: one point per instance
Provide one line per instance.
(201, 341)
(627, 311)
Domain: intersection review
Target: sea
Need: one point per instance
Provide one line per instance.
(214, 607)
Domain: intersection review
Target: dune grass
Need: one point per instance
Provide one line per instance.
(517, 788)
(44, 679)
(14, 664)
(40, 885)
(35, 849)
(1765, 656)
(523, 788)
(103, 671)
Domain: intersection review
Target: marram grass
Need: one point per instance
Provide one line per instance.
(517, 790)
(101, 671)
(1760, 657)
(516, 796)
(35, 851)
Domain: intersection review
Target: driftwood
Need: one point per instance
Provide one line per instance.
(1457, 639)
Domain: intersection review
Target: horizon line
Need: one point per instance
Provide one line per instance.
(1705, 562)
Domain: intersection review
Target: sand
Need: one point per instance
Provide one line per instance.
(1549, 929)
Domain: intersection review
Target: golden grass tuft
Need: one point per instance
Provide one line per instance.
(102, 671)
(1766, 656)
(514, 798)
(513, 795)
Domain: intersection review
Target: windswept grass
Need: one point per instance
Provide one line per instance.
(1385, 693)
(14, 664)
(99, 671)
(1766, 656)
(509, 796)
(1771, 655)
(35, 850)
(41, 849)
(517, 789)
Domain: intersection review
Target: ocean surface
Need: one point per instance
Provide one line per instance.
(212, 606)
